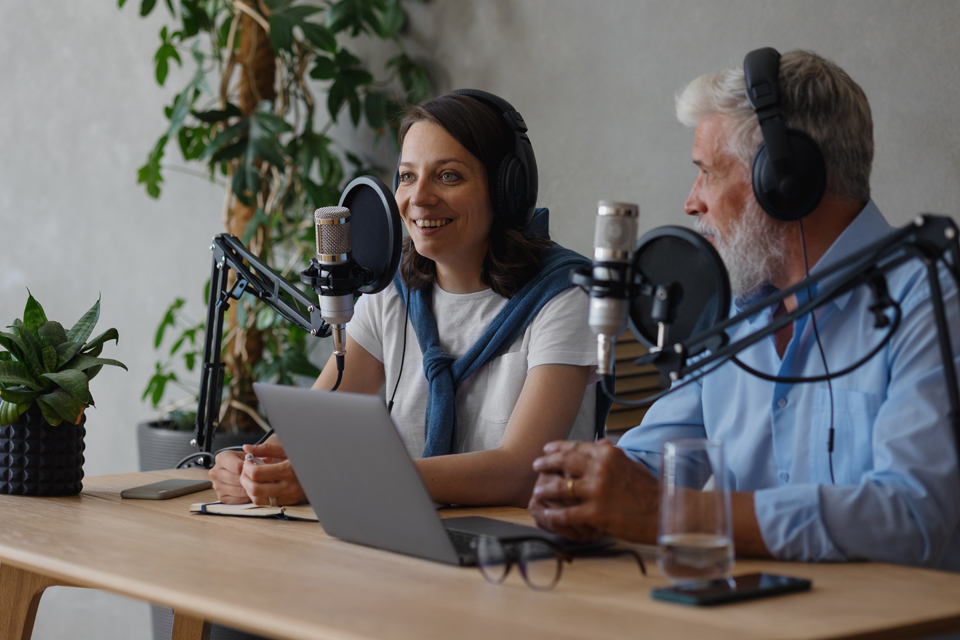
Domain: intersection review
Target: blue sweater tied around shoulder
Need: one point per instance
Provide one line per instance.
(445, 374)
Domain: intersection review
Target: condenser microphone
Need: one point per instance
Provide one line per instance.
(336, 260)
(614, 242)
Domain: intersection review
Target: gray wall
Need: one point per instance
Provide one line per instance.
(595, 81)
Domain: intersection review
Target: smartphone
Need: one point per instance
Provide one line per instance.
(165, 489)
(746, 587)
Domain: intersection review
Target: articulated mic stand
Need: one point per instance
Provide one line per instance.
(257, 278)
(931, 238)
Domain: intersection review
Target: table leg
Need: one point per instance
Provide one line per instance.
(20, 593)
(187, 627)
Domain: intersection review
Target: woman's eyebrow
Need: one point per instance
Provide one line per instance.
(439, 162)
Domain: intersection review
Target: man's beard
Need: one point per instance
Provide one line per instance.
(752, 250)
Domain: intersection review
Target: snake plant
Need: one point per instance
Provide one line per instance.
(50, 367)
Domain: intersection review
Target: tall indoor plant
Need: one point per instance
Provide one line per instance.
(249, 115)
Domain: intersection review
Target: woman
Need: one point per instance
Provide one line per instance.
(470, 284)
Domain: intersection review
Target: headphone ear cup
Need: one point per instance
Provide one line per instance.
(800, 193)
(511, 188)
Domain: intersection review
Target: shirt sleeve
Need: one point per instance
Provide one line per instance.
(677, 415)
(366, 326)
(560, 333)
(906, 508)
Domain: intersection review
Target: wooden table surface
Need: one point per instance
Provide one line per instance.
(290, 580)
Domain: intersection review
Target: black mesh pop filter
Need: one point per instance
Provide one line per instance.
(683, 261)
(375, 228)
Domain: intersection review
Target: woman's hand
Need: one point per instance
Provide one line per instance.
(271, 476)
(226, 478)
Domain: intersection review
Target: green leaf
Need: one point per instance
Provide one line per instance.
(84, 327)
(29, 348)
(83, 361)
(335, 99)
(146, 7)
(6, 356)
(66, 351)
(54, 332)
(149, 174)
(229, 134)
(392, 20)
(165, 52)
(218, 115)
(11, 412)
(49, 413)
(63, 405)
(49, 356)
(324, 69)
(19, 395)
(120, 3)
(319, 36)
(109, 334)
(281, 32)
(33, 315)
(73, 382)
(375, 111)
(354, 108)
(16, 373)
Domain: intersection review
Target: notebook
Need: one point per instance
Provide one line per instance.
(362, 484)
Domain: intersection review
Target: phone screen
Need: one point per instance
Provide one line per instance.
(754, 585)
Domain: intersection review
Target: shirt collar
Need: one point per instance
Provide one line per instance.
(868, 227)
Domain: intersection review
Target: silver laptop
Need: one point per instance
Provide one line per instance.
(361, 482)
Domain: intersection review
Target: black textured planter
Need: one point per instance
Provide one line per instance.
(39, 460)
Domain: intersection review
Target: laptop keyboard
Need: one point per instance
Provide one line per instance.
(465, 544)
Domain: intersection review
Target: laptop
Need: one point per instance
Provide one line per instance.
(362, 484)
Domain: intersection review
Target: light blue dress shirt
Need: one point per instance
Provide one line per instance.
(897, 492)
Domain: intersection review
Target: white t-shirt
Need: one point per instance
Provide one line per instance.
(558, 335)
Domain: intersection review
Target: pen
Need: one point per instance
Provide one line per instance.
(254, 459)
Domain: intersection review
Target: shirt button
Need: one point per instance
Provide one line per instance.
(784, 477)
(782, 402)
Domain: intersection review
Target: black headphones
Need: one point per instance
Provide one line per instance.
(516, 184)
(789, 172)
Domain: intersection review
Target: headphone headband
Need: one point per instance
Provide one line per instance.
(789, 173)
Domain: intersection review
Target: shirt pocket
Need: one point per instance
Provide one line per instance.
(854, 413)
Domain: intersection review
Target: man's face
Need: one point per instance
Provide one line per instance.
(750, 242)
(722, 187)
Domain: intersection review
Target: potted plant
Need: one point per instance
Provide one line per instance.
(45, 373)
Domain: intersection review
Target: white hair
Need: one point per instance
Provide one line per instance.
(817, 97)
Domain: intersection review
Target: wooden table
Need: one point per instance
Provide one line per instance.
(290, 580)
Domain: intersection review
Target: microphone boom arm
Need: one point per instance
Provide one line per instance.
(257, 278)
(931, 238)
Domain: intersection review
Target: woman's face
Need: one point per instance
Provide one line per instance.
(444, 200)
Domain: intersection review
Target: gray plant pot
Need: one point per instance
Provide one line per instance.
(163, 449)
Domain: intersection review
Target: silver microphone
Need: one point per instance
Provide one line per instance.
(333, 251)
(614, 242)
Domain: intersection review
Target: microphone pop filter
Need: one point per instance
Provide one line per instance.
(376, 230)
(684, 262)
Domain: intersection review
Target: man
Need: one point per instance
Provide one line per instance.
(864, 467)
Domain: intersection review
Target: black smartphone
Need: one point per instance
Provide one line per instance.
(746, 587)
(165, 489)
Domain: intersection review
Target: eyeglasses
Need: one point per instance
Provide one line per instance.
(540, 560)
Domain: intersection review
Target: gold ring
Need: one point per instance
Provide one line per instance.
(274, 502)
(570, 487)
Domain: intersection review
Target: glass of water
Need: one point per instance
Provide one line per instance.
(695, 539)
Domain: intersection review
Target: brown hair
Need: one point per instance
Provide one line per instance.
(512, 259)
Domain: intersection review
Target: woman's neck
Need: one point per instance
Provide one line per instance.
(460, 278)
